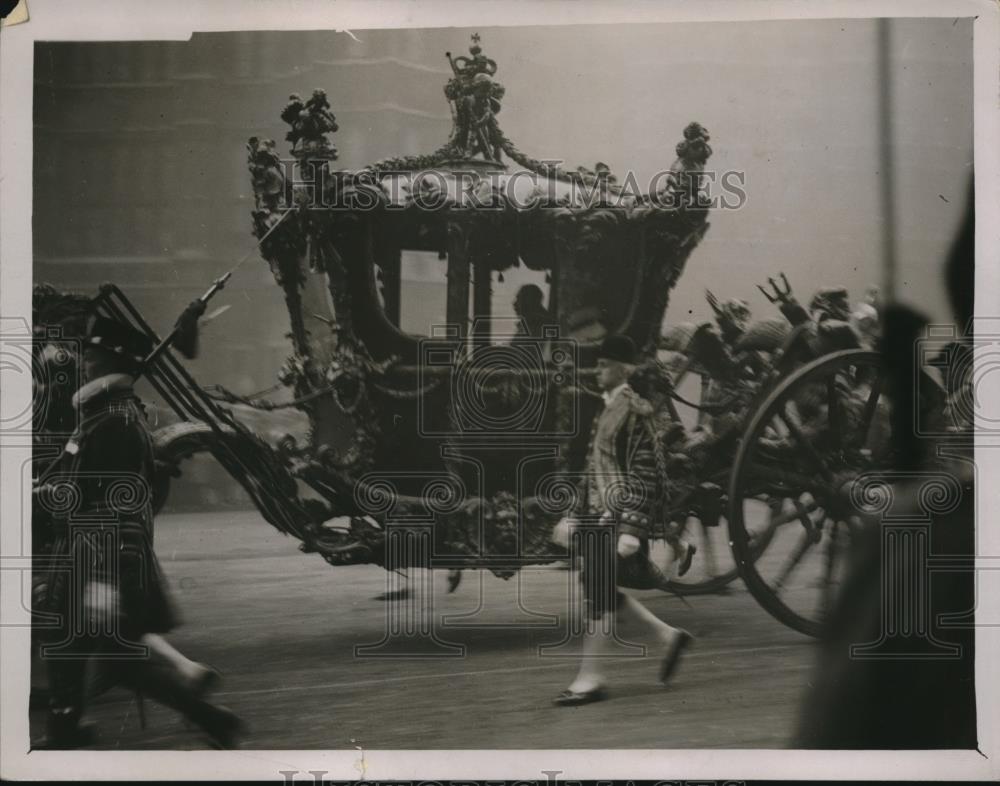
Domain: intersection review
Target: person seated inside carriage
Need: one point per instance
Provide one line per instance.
(532, 314)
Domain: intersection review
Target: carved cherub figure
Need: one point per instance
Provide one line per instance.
(310, 122)
(266, 172)
(475, 101)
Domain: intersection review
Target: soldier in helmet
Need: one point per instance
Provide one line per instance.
(110, 595)
(622, 488)
(865, 318)
(830, 303)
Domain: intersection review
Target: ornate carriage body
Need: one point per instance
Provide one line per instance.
(477, 431)
(494, 406)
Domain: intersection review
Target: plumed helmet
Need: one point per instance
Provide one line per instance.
(831, 302)
(618, 348)
(119, 339)
(736, 311)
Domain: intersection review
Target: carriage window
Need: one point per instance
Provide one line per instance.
(423, 296)
(423, 292)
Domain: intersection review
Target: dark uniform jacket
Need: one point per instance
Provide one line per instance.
(624, 486)
(622, 477)
(97, 498)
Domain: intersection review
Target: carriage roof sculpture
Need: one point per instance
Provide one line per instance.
(484, 439)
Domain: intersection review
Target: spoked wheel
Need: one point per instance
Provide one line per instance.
(813, 435)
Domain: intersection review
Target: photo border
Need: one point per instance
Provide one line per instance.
(118, 20)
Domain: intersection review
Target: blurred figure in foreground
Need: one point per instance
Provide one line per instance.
(112, 600)
(901, 701)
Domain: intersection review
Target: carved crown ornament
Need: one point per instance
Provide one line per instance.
(455, 173)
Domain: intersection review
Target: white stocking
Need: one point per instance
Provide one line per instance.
(163, 652)
(597, 643)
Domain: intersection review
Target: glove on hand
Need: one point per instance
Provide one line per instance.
(627, 545)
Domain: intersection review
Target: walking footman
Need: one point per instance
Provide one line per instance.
(622, 491)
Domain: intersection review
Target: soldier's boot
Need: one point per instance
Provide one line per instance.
(65, 731)
(67, 677)
(173, 689)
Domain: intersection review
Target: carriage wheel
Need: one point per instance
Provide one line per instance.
(814, 433)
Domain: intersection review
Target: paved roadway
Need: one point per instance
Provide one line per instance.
(282, 627)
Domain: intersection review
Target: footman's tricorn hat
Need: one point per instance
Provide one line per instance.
(118, 338)
(620, 348)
